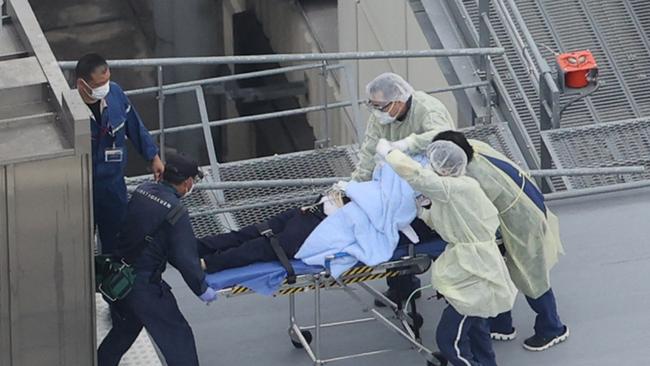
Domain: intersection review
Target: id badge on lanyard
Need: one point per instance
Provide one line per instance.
(114, 154)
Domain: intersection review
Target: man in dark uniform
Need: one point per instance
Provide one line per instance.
(157, 239)
(112, 120)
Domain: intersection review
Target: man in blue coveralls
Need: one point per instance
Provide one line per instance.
(112, 121)
(157, 230)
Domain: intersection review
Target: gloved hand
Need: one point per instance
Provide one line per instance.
(401, 145)
(209, 295)
(383, 148)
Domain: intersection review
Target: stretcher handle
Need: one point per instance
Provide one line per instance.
(330, 258)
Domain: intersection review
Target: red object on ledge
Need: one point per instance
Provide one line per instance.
(577, 67)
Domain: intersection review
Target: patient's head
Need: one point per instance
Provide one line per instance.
(459, 139)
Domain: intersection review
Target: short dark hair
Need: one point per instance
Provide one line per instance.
(88, 64)
(457, 138)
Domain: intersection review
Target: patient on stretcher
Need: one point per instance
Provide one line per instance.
(290, 228)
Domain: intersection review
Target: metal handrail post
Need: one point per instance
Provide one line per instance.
(485, 65)
(324, 98)
(351, 79)
(207, 132)
(548, 89)
(161, 112)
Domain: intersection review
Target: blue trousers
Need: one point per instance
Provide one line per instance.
(153, 307)
(465, 340)
(547, 321)
(109, 209)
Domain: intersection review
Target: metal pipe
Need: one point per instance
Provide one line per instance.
(291, 112)
(596, 190)
(304, 342)
(253, 205)
(161, 112)
(341, 323)
(223, 79)
(400, 332)
(207, 132)
(296, 57)
(258, 117)
(357, 355)
(270, 183)
(588, 171)
(331, 180)
(317, 320)
(325, 106)
(292, 309)
(457, 87)
(532, 46)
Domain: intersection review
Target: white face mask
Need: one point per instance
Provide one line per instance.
(383, 118)
(101, 92)
(189, 191)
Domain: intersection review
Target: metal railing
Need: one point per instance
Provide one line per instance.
(320, 61)
(205, 211)
(161, 90)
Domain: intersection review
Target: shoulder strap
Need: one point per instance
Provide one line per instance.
(172, 216)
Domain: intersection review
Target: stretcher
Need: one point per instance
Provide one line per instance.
(407, 260)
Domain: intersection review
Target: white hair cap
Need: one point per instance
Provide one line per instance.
(389, 87)
(447, 158)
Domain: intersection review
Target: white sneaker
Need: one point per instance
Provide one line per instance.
(504, 336)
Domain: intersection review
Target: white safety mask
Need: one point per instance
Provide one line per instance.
(101, 92)
(384, 118)
(189, 191)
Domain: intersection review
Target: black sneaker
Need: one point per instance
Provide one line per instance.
(394, 297)
(538, 343)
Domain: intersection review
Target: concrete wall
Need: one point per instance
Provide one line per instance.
(373, 25)
(363, 25)
(288, 32)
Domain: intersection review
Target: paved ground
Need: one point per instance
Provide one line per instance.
(600, 285)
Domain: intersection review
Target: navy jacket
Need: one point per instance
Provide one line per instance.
(148, 207)
(119, 122)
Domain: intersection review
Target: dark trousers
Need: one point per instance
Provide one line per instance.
(247, 246)
(404, 285)
(109, 209)
(465, 340)
(547, 321)
(153, 307)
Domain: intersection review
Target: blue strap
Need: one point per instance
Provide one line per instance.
(529, 188)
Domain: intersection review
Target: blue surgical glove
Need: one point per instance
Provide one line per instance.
(209, 295)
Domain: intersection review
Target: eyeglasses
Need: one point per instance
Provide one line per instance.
(370, 105)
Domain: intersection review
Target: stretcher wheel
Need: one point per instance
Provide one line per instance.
(418, 320)
(294, 339)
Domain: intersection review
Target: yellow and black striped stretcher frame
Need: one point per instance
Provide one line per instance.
(306, 282)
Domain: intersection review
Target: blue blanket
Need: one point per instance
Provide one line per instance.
(366, 228)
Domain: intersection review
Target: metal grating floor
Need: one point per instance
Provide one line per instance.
(616, 31)
(330, 162)
(607, 144)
